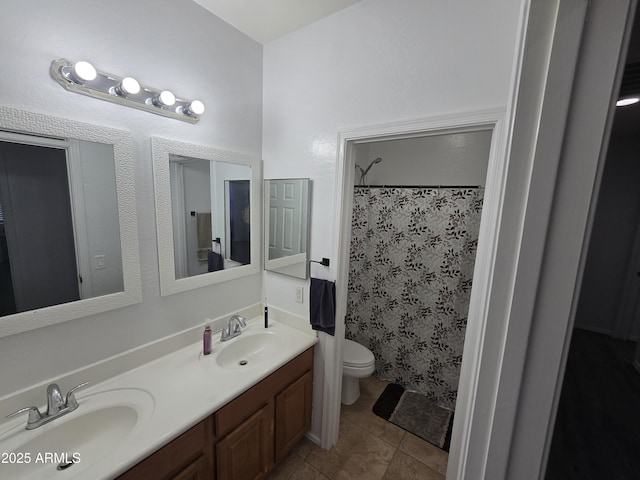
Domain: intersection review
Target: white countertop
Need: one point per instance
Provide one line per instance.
(184, 388)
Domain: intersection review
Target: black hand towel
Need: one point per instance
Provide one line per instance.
(323, 305)
(216, 262)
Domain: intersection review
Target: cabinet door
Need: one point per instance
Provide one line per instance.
(247, 452)
(188, 453)
(293, 415)
(196, 471)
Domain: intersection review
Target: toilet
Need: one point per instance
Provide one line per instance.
(358, 362)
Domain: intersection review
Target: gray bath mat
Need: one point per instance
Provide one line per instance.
(415, 413)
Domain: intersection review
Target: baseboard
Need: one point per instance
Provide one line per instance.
(314, 438)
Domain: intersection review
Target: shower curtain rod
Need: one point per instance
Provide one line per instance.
(419, 186)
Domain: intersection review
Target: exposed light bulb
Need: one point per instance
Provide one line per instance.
(84, 72)
(165, 98)
(128, 86)
(623, 102)
(196, 107)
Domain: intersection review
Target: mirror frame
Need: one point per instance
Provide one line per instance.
(162, 148)
(266, 266)
(20, 121)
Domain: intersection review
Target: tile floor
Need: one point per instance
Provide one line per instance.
(368, 448)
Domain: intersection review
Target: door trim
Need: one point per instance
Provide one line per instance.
(489, 119)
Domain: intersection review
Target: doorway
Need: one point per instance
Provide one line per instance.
(492, 120)
(597, 428)
(39, 267)
(414, 233)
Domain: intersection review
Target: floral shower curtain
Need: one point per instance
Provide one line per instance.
(411, 265)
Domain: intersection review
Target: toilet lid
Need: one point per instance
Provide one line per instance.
(356, 355)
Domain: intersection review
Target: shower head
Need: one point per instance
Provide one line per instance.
(377, 160)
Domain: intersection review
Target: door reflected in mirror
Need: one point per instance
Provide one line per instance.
(286, 241)
(208, 208)
(59, 226)
(211, 215)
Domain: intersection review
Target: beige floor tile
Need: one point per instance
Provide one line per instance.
(406, 467)
(375, 425)
(371, 386)
(361, 414)
(425, 452)
(305, 447)
(357, 455)
(307, 472)
(286, 467)
(370, 448)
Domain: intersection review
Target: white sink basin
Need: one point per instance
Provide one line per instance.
(250, 350)
(68, 445)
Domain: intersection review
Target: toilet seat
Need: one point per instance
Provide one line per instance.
(356, 355)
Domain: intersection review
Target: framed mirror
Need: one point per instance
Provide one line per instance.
(286, 226)
(208, 207)
(68, 228)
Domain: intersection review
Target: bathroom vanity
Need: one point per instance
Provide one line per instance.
(247, 437)
(233, 414)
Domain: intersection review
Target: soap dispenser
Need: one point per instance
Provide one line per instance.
(206, 340)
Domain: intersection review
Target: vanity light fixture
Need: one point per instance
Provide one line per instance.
(82, 77)
(83, 72)
(196, 107)
(128, 86)
(165, 98)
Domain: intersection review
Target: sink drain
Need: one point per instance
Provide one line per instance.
(64, 465)
(242, 363)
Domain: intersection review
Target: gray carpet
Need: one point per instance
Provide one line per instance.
(415, 413)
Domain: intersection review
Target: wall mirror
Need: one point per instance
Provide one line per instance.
(207, 214)
(286, 220)
(68, 230)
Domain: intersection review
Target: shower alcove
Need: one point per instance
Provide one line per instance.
(416, 211)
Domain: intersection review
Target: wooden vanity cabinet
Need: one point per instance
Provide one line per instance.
(247, 452)
(278, 412)
(187, 457)
(246, 438)
(293, 415)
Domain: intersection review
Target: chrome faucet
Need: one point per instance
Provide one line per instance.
(236, 323)
(57, 406)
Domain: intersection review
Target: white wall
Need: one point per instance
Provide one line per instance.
(373, 63)
(448, 159)
(172, 44)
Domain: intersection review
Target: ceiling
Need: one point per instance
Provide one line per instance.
(627, 119)
(266, 20)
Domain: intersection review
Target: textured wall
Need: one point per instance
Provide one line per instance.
(172, 44)
(373, 63)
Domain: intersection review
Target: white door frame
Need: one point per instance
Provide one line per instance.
(490, 119)
(533, 231)
(577, 79)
